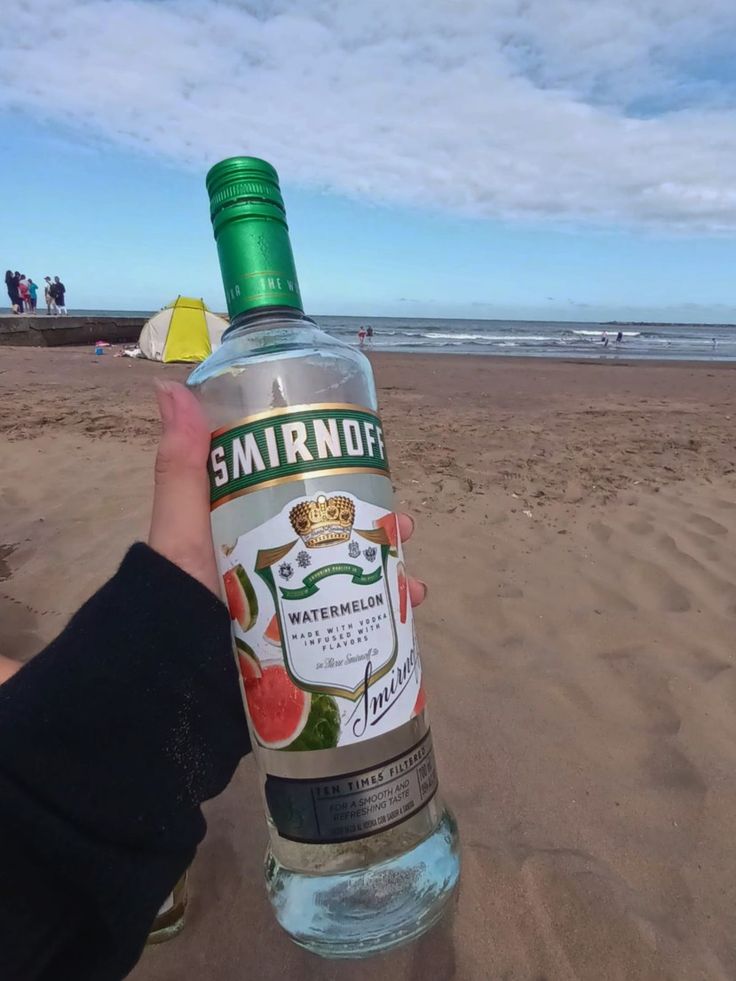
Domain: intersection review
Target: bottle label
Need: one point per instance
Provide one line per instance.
(291, 444)
(323, 627)
(322, 622)
(353, 805)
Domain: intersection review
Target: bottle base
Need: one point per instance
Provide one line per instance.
(368, 911)
(170, 920)
(162, 934)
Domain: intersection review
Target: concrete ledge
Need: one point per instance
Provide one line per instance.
(43, 331)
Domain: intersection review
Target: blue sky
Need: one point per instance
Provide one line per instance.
(560, 160)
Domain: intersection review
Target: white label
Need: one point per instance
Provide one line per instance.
(323, 624)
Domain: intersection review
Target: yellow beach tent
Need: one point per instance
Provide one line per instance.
(185, 330)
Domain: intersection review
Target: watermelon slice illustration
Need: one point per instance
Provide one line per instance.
(272, 633)
(286, 717)
(322, 730)
(241, 597)
(403, 590)
(420, 703)
(250, 666)
(390, 525)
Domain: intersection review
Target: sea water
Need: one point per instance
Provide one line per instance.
(534, 338)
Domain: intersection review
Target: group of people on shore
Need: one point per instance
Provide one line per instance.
(23, 293)
(365, 334)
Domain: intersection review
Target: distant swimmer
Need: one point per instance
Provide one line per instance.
(714, 342)
(619, 337)
(604, 337)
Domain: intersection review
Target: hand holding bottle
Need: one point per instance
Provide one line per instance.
(180, 520)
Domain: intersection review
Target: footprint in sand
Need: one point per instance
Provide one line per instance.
(712, 586)
(646, 687)
(706, 667)
(707, 525)
(710, 549)
(11, 497)
(670, 768)
(600, 531)
(640, 526)
(562, 886)
(656, 587)
(668, 544)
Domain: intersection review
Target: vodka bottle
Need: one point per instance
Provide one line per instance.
(363, 853)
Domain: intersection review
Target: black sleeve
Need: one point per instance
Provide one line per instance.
(110, 739)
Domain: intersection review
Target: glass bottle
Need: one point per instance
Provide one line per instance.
(363, 853)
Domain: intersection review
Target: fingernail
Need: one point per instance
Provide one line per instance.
(424, 586)
(413, 523)
(164, 397)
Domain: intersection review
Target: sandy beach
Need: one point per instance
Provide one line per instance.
(576, 526)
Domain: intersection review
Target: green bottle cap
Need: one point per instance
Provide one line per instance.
(249, 222)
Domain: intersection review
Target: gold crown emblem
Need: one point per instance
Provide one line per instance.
(323, 521)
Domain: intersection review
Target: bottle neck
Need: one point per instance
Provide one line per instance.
(256, 262)
(249, 222)
(263, 318)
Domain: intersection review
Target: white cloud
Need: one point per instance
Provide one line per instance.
(504, 108)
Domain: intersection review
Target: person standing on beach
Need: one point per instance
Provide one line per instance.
(32, 294)
(12, 288)
(619, 337)
(361, 336)
(17, 278)
(369, 334)
(48, 295)
(25, 296)
(59, 295)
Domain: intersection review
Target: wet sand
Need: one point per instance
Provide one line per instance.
(576, 525)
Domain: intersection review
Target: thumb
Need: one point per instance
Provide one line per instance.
(180, 520)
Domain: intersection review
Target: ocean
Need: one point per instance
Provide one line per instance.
(541, 338)
(535, 338)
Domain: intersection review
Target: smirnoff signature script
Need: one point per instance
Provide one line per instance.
(379, 697)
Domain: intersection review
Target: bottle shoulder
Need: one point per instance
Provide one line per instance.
(277, 341)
